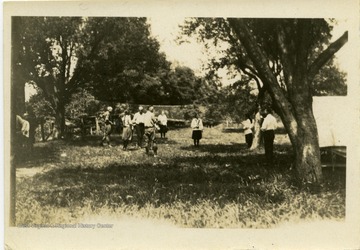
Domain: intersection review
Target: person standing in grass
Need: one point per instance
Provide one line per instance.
(268, 128)
(138, 122)
(150, 126)
(197, 129)
(107, 127)
(248, 130)
(127, 130)
(162, 119)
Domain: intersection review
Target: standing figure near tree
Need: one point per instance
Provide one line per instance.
(197, 129)
(162, 119)
(127, 130)
(248, 126)
(107, 126)
(138, 122)
(150, 124)
(268, 128)
(22, 136)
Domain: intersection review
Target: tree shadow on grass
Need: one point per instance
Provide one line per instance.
(232, 130)
(222, 179)
(116, 140)
(92, 141)
(188, 179)
(217, 148)
(40, 153)
(251, 161)
(166, 141)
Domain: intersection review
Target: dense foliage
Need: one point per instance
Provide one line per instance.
(113, 59)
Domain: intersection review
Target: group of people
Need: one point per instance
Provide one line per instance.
(145, 124)
(268, 126)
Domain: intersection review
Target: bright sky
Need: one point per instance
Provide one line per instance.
(166, 31)
(194, 54)
(187, 54)
(343, 55)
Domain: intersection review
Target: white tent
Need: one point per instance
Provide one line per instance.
(332, 119)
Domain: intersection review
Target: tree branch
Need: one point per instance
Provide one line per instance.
(72, 84)
(288, 65)
(260, 62)
(255, 77)
(325, 56)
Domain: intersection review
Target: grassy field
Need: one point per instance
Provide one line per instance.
(218, 185)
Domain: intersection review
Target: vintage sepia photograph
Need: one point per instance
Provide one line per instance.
(135, 130)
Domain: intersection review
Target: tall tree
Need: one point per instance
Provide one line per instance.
(182, 85)
(127, 64)
(113, 57)
(284, 56)
(17, 106)
(48, 56)
(38, 107)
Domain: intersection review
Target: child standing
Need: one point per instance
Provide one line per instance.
(197, 128)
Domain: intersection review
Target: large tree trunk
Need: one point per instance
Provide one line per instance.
(17, 107)
(13, 151)
(296, 116)
(59, 122)
(307, 151)
(42, 130)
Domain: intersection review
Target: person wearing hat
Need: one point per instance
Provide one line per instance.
(107, 129)
(138, 122)
(150, 126)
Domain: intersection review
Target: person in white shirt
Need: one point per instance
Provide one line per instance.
(268, 128)
(23, 126)
(150, 124)
(248, 130)
(162, 119)
(127, 130)
(138, 122)
(197, 128)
